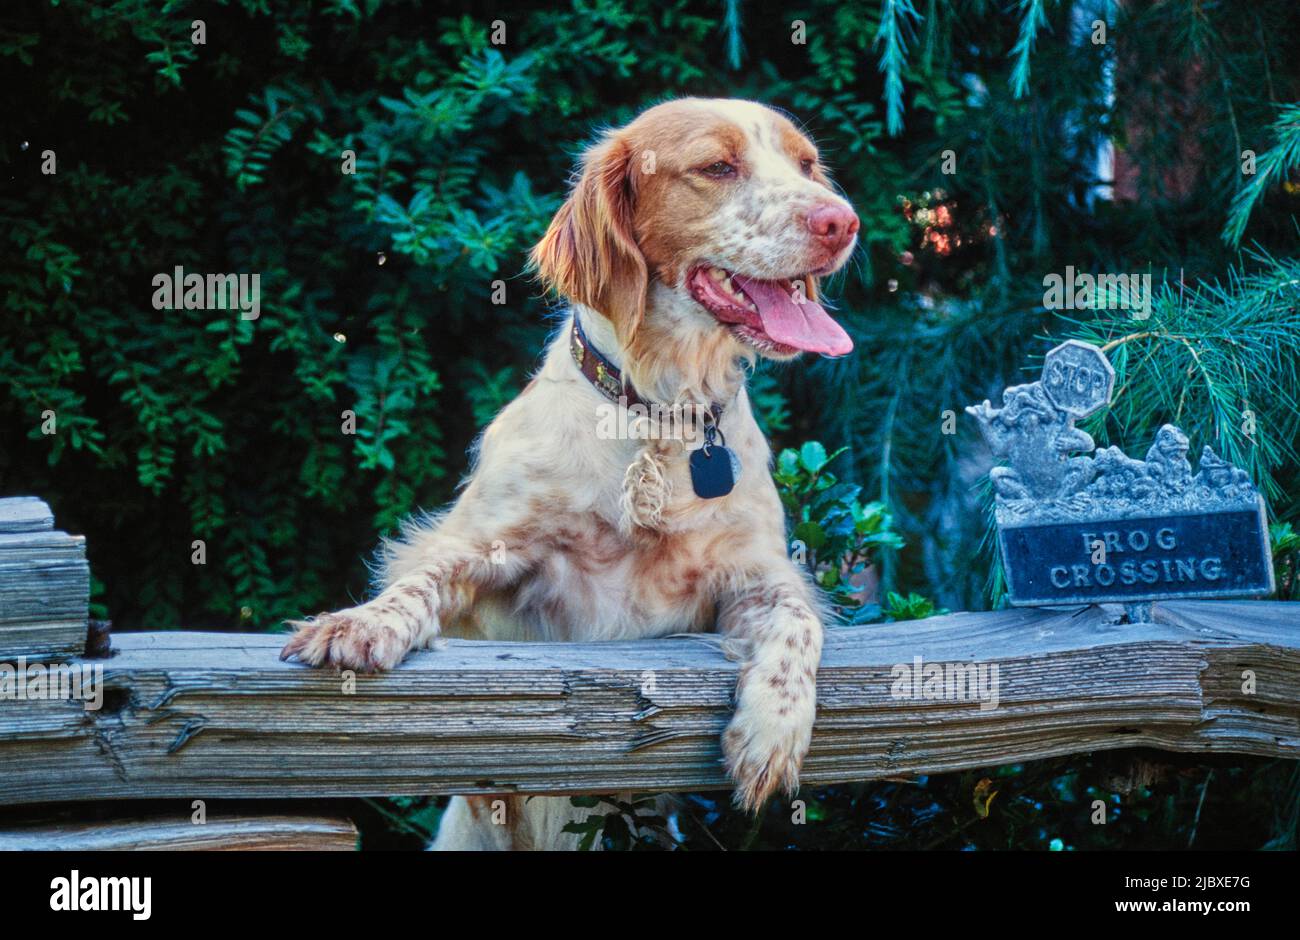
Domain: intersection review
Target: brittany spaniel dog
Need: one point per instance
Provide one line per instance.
(690, 244)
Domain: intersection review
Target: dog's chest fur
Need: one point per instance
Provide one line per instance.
(595, 583)
(619, 544)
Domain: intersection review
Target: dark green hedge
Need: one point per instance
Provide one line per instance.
(177, 425)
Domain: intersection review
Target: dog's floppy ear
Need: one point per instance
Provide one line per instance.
(589, 253)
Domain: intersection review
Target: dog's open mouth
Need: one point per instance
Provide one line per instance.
(773, 316)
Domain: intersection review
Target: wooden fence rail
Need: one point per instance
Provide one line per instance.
(194, 715)
(179, 833)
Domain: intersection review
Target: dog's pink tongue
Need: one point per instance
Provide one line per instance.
(804, 325)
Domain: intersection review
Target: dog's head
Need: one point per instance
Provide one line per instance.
(725, 204)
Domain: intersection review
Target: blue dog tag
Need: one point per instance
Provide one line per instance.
(714, 468)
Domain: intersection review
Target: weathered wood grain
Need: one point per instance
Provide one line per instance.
(195, 715)
(24, 514)
(44, 584)
(243, 833)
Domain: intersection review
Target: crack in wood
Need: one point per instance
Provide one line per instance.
(188, 732)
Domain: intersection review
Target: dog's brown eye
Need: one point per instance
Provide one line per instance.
(718, 170)
(806, 166)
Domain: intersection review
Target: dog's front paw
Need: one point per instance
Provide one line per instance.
(356, 638)
(767, 739)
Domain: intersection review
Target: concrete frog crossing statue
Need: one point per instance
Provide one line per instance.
(1078, 527)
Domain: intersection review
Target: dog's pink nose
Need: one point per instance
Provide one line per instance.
(833, 225)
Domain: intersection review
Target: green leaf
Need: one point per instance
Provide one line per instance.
(811, 534)
(812, 456)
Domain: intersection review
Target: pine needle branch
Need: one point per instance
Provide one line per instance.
(731, 30)
(893, 58)
(1272, 167)
(1034, 18)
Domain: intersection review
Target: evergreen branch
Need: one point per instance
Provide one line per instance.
(893, 59)
(731, 30)
(1034, 19)
(1272, 167)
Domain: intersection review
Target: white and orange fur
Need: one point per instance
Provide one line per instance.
(559, 534)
